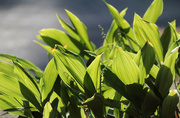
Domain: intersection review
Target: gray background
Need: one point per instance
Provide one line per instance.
(21, 21)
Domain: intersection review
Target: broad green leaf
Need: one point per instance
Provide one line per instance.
(110, 34)
(14, 106)
(26, 64)
(10, 86)
(48, 79)
(125, 68)
(64, 39)
(68, 28)
(47, 112)
(70, 67)
(30, 96)
(7, 69)
(94, 72)
(111, 79)
(166, 38)
(154, 11)
(80, 29)
(150, 104)
(166, 74)
(137, 93)
(148, 31)
(49, 41)
(60, 105)
(124, 26)
(96, 104)
(145, 59)
(169, 105)
(154, 71)
(171, 48)
(27, 79)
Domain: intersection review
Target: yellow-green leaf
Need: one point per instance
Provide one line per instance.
(81, 30)
(144, 31)
(154, 11)
(125, 68)
(145, 59)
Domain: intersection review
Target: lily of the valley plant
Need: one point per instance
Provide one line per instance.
(130, 75)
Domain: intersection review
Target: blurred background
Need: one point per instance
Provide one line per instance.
(21, 21)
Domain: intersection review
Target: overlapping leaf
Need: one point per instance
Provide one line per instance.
(80, 29)
(71, 67)
(145, 59)
(26, 64)
(125, 68)
(166, 74)
(48, 79)
(124, 26)
(148, 31)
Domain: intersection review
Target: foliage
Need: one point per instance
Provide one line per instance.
(130, 75)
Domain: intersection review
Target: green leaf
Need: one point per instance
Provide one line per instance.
(60, 105)
(27, 79)
(148, 31)
(96, 104)
(166, 38)
(171, 48)
(154, 71)
(7, 69)
(112, 80)
(48, 80)
(150, 104)
(125, 68)
(145, 59)
(80, 29)
(49, 41)
(124, 26)
(13, 106)
(64, 39)
(10, 86)
(47, 48)
(169, 105)
(110, 34)
(26, 64)
(68, 28)
(166, 74)
(94, 72)
(70, 67)
(30, 96)
(47, 112)
(154, 11)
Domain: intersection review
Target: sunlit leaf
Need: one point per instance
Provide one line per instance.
(125, 68)
(124, 26)
(94, 72)
(48, 79)
(145, 59)
(154, 11)
(68, 28)
(64, 39)
(80, 29)
(70, 67)
(14, 106)
(47, 112)
(27, 79)
(148, 31)
(26, 64)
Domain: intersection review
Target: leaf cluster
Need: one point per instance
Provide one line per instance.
(130, 75)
